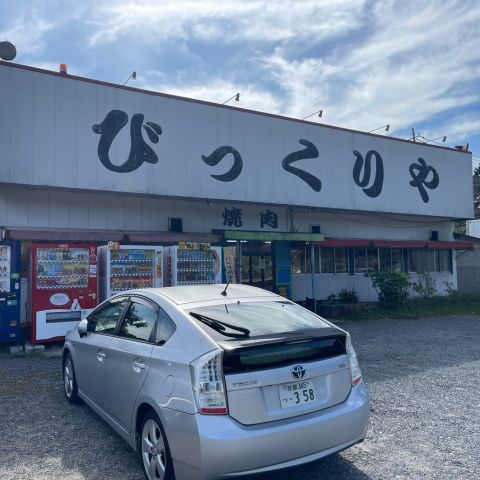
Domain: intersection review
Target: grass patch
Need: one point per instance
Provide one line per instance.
(419, 308)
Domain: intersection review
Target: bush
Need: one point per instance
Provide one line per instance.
(332, 299)
(347, 296)
(392, 287)
(425, 286)
(450, 291)
(344, 296)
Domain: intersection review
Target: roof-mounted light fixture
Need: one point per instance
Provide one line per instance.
(236, 97)
(132, 76)
(383, 127)
(318, 113)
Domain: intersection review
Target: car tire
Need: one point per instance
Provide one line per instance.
(70, 380)
(154, 450)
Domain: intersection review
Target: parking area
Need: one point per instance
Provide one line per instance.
(423, 376)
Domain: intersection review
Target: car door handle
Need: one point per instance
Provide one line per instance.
(100, 356)
(137, 366)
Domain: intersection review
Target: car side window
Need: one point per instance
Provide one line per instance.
(139, 323)
(165, 327)
(106, 319)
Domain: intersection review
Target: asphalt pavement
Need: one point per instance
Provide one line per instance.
(423, 376)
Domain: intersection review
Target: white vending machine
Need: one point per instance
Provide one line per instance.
(194, 264)
(127, 267)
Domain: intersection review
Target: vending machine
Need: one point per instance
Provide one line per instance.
(64, 288)
(9, 292)
(127, 267)
(194, 264)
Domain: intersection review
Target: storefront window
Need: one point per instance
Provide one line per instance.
(445, 260)
(300, 260)
(341, 260)
(360, 260)
(427, 261)
(297, 260)
(397, 260)
(417, 260)
(336, 260)
(327, 259)
(372, 259)
(385, 256)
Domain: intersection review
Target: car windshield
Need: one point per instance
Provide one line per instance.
(263, 318)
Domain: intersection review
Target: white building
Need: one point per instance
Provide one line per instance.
(83, 160)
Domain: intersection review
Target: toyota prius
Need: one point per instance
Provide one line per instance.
(217, 381)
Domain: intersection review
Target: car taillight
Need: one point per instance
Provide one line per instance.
(355, 371)
(208, 386)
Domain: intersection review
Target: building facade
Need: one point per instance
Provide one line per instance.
(310, 208)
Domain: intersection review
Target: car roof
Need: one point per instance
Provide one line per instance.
(206, 293)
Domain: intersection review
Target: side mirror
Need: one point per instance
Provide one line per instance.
(82, 327)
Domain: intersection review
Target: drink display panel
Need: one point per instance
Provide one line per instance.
(134, 268)
(195, 267)
(4, 268)
(60, 268)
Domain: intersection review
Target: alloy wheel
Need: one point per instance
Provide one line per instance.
(153, 451)
(68, 377)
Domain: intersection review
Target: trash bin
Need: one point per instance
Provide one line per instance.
(310, 304)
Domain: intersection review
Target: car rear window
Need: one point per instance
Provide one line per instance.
(264, 318)
(280, 354)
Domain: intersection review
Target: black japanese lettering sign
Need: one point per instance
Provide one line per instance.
(139, 150)
(362, 173)
(423, 176)
(269, 218)
(368, 168)
(232, 217)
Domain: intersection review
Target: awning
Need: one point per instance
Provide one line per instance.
(450, 245)
(63, 236)
(173, 237)
(344, 242)
(399, 244)
(272, 236)
(104, 236)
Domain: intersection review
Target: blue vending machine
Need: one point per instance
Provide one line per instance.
(9, 292)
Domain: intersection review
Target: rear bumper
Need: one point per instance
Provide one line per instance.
(214, 447)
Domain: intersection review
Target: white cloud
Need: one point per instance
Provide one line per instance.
(463, 127)
(219, 91)
(405, 70)
(26, 32)
(229, 21)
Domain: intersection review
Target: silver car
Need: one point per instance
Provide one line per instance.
(211, 382)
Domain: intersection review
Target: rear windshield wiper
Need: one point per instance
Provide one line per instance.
(221, 326)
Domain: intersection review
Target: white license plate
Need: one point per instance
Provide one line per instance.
(296, 393)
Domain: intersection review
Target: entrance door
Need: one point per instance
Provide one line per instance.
(257, 270)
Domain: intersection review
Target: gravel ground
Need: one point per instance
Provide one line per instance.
(423, 376)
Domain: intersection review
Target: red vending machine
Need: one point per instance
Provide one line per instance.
(63, 288)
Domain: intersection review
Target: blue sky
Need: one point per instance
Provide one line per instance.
(364, 63)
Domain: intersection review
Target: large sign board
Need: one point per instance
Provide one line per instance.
(59, 131)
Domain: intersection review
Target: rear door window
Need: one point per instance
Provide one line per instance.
(139, 323)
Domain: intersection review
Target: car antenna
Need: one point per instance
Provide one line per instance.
(224, 292)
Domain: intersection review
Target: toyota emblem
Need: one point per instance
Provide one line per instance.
(298, 371)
